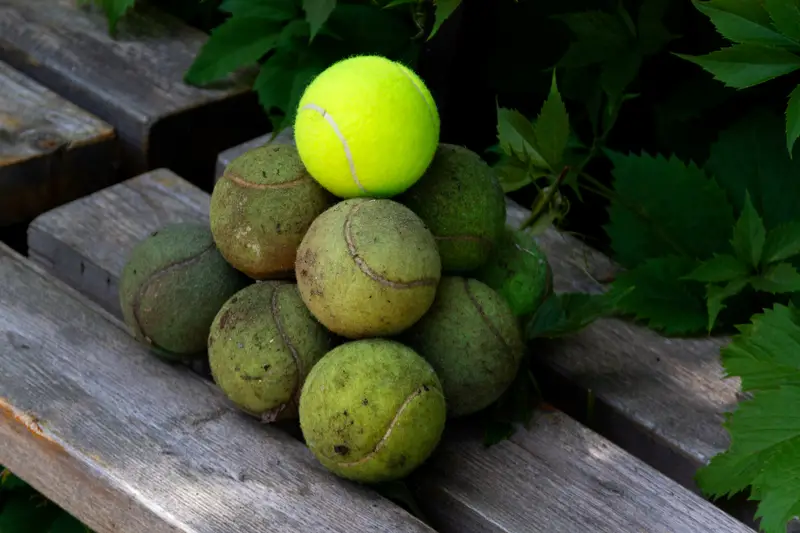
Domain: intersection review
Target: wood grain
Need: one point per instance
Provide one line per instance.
(51, 151)
(133, 81)
(555, 477)
(660, 398)
(130, 444)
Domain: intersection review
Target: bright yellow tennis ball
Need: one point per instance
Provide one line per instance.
(366, 126)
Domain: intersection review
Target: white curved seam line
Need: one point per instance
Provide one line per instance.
(421, 95)
(347, 153)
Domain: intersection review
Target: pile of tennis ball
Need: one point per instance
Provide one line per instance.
(361, 280)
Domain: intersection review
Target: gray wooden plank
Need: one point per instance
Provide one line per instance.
(51, 151)
(134, 82)
(129, 444)
(660, 398)
(516, 486)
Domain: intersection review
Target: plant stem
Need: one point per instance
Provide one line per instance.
(544, 201)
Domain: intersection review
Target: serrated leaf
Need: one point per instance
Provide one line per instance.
(718, 269)
(661, 299)
(745, 65)
(237, 42)
(716, 295)
(750, 157)
(664, 207)
(599, 36)
(619, 72)
(512, 174)
(274, 82)
(793, 119)
(567, 313)
(738, 28)
(276, 10)
(777, 278)
(551, 130)
(444, 8)
(785, 16)
(782, 242)
(749, 235)
(517, 138)
(317, 13)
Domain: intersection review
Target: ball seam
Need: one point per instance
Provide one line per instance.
(288, 343)
(411, 397)
(484, 316)
(365, 268)
(348, 154)
(169, 267)
(238, 180)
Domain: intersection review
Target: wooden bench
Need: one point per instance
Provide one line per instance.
(133, 81)
(661, 399)
(558, 476)
(51, 151)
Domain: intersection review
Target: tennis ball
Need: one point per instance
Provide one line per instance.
(368, 268)
(172, 286)
(262, 344)
(366, 126)
(372, 410)
(519, 271)
(472, 340)
(462, 203)
(262, 207)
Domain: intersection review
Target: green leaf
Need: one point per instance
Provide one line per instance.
(515, 407)
(778, 278)
(237, 42)
(22, 513)
(782, 242)
(785, 16)
(517, 138)
(620, 72)
(749, 235)
(599, 36)
(718, 269)
(567, 313)
(444, 8)
(10, 482)
(661, 298)
(513, 174)
(66, 523)
(793, 119)
(115, 10)
(738, 27)
(745, 65)
(716, 295)
(750, 157)
(664, 207)
(551, 130)
(317, 13)
(275, 10)
(394, 3)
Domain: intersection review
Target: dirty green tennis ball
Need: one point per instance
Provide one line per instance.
(368, 268)
(262, 344)
(372, 410)
(519, 271)
(461, 202)
(261, 207)
(172, 286)
(472, 340)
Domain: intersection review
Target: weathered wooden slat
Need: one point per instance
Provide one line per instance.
(556, 477)
(51, 151)
(661, 399)
(133, 82)
(129, 444)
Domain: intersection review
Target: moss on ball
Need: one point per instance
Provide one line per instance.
(372, 410)
(172, 286)
(261, 207)
(519, 271)
(262, 344)
(368, 268)
(463, 205)
(472, 340)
